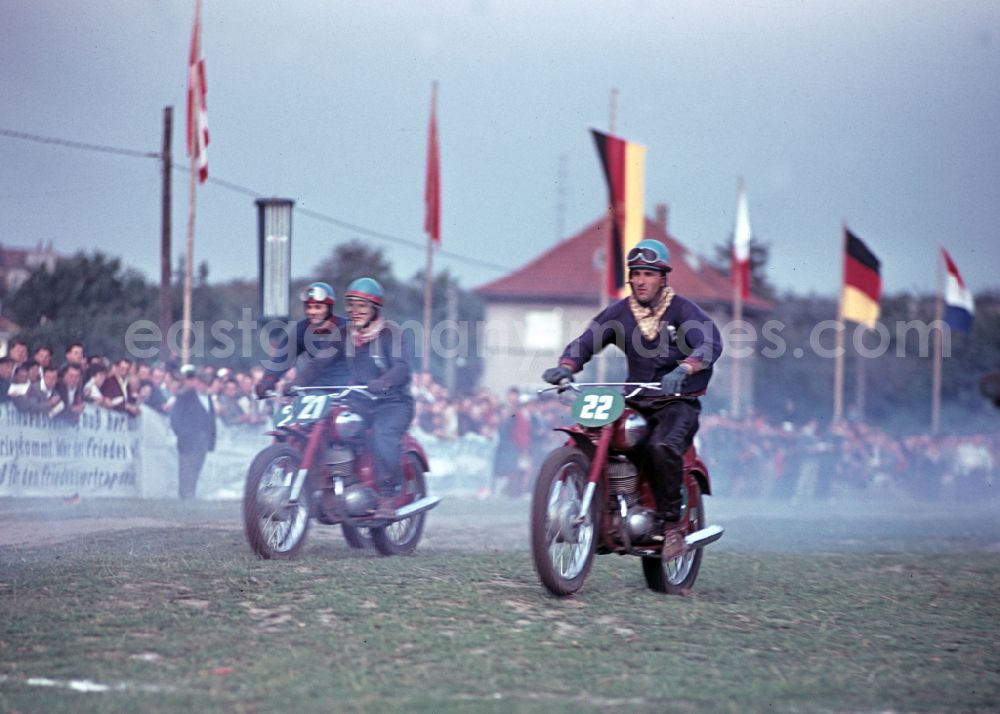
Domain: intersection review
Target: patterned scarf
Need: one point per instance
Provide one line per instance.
(649, 317)
(364, 335)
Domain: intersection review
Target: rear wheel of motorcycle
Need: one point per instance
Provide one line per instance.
(274, 528)
(677, 575)
(401, 537)
(563, 550)
(357, 536)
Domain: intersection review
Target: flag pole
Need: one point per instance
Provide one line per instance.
(197, 140)
(936, 380)
(425, 358)
(608, 261)
(189, 267)
(838, 365)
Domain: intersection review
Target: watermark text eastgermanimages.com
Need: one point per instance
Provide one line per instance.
(449, 339)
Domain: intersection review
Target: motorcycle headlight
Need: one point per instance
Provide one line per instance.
(347, 425)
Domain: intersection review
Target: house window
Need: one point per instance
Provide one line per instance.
(543, 329)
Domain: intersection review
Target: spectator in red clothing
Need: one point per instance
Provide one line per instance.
(116, 388)
(512, 462)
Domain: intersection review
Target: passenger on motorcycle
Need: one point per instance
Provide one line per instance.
(317, 353)
(379, 356)
(668, 339)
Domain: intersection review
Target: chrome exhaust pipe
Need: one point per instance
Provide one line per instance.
(703, 537)
(417, 507)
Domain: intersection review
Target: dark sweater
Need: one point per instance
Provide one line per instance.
(687, 335)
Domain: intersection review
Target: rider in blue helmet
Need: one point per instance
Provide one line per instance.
(319, 339)
(667, 339)
(379, 356)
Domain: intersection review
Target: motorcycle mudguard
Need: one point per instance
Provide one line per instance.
(411, 445)
(702, 480)
(580, 440)
(696, 467)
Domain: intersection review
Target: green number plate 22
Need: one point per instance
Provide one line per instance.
(598, 406)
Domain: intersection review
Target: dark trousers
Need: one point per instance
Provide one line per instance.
(389, 421)
(673, 425)
(189, 464)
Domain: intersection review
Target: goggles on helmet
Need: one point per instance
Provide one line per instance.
(643, 257)
(314, 293)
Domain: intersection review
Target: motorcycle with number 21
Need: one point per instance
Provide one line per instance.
(592, 497)
(320, 467)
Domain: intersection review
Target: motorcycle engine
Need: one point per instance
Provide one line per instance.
(360, 500)
(339, 461)
(623, 479)
(641, 524)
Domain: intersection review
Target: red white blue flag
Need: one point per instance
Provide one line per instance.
(957, 298)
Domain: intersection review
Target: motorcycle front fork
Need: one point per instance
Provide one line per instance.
(297, 483)
(597, 468)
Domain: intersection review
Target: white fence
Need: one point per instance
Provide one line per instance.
(108, 454)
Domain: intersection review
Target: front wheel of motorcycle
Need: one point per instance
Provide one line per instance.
(275, 528)
(677, 575)
(401, 537)
(563, 539)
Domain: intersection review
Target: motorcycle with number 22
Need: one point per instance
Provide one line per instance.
(592, 497)
(320, 467)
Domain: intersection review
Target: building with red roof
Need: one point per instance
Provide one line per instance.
(533, 312)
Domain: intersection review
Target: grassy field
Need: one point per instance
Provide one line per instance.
(793, 612)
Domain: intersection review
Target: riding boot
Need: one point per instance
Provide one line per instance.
(665, 470)
(386, 507)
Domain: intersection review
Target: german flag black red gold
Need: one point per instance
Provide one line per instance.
(624, 168)
(859, 301)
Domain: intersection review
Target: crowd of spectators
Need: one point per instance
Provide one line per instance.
(753, 457)
(789, 460)
(35, 384)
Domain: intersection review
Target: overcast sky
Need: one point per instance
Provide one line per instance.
(883, 115)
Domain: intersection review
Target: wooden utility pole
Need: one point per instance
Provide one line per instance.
(165, 201)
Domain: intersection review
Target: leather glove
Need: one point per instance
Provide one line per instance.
(555, 375)
(264, 386)
(672, 381)
(379, 386)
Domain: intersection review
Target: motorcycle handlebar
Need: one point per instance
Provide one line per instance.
(576, 386)
(335, 391)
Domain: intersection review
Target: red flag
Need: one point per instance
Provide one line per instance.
(741, 245)
(432, 182)
(197, 109)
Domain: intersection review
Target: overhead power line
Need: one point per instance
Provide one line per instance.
(229, 185)
(80, 145)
